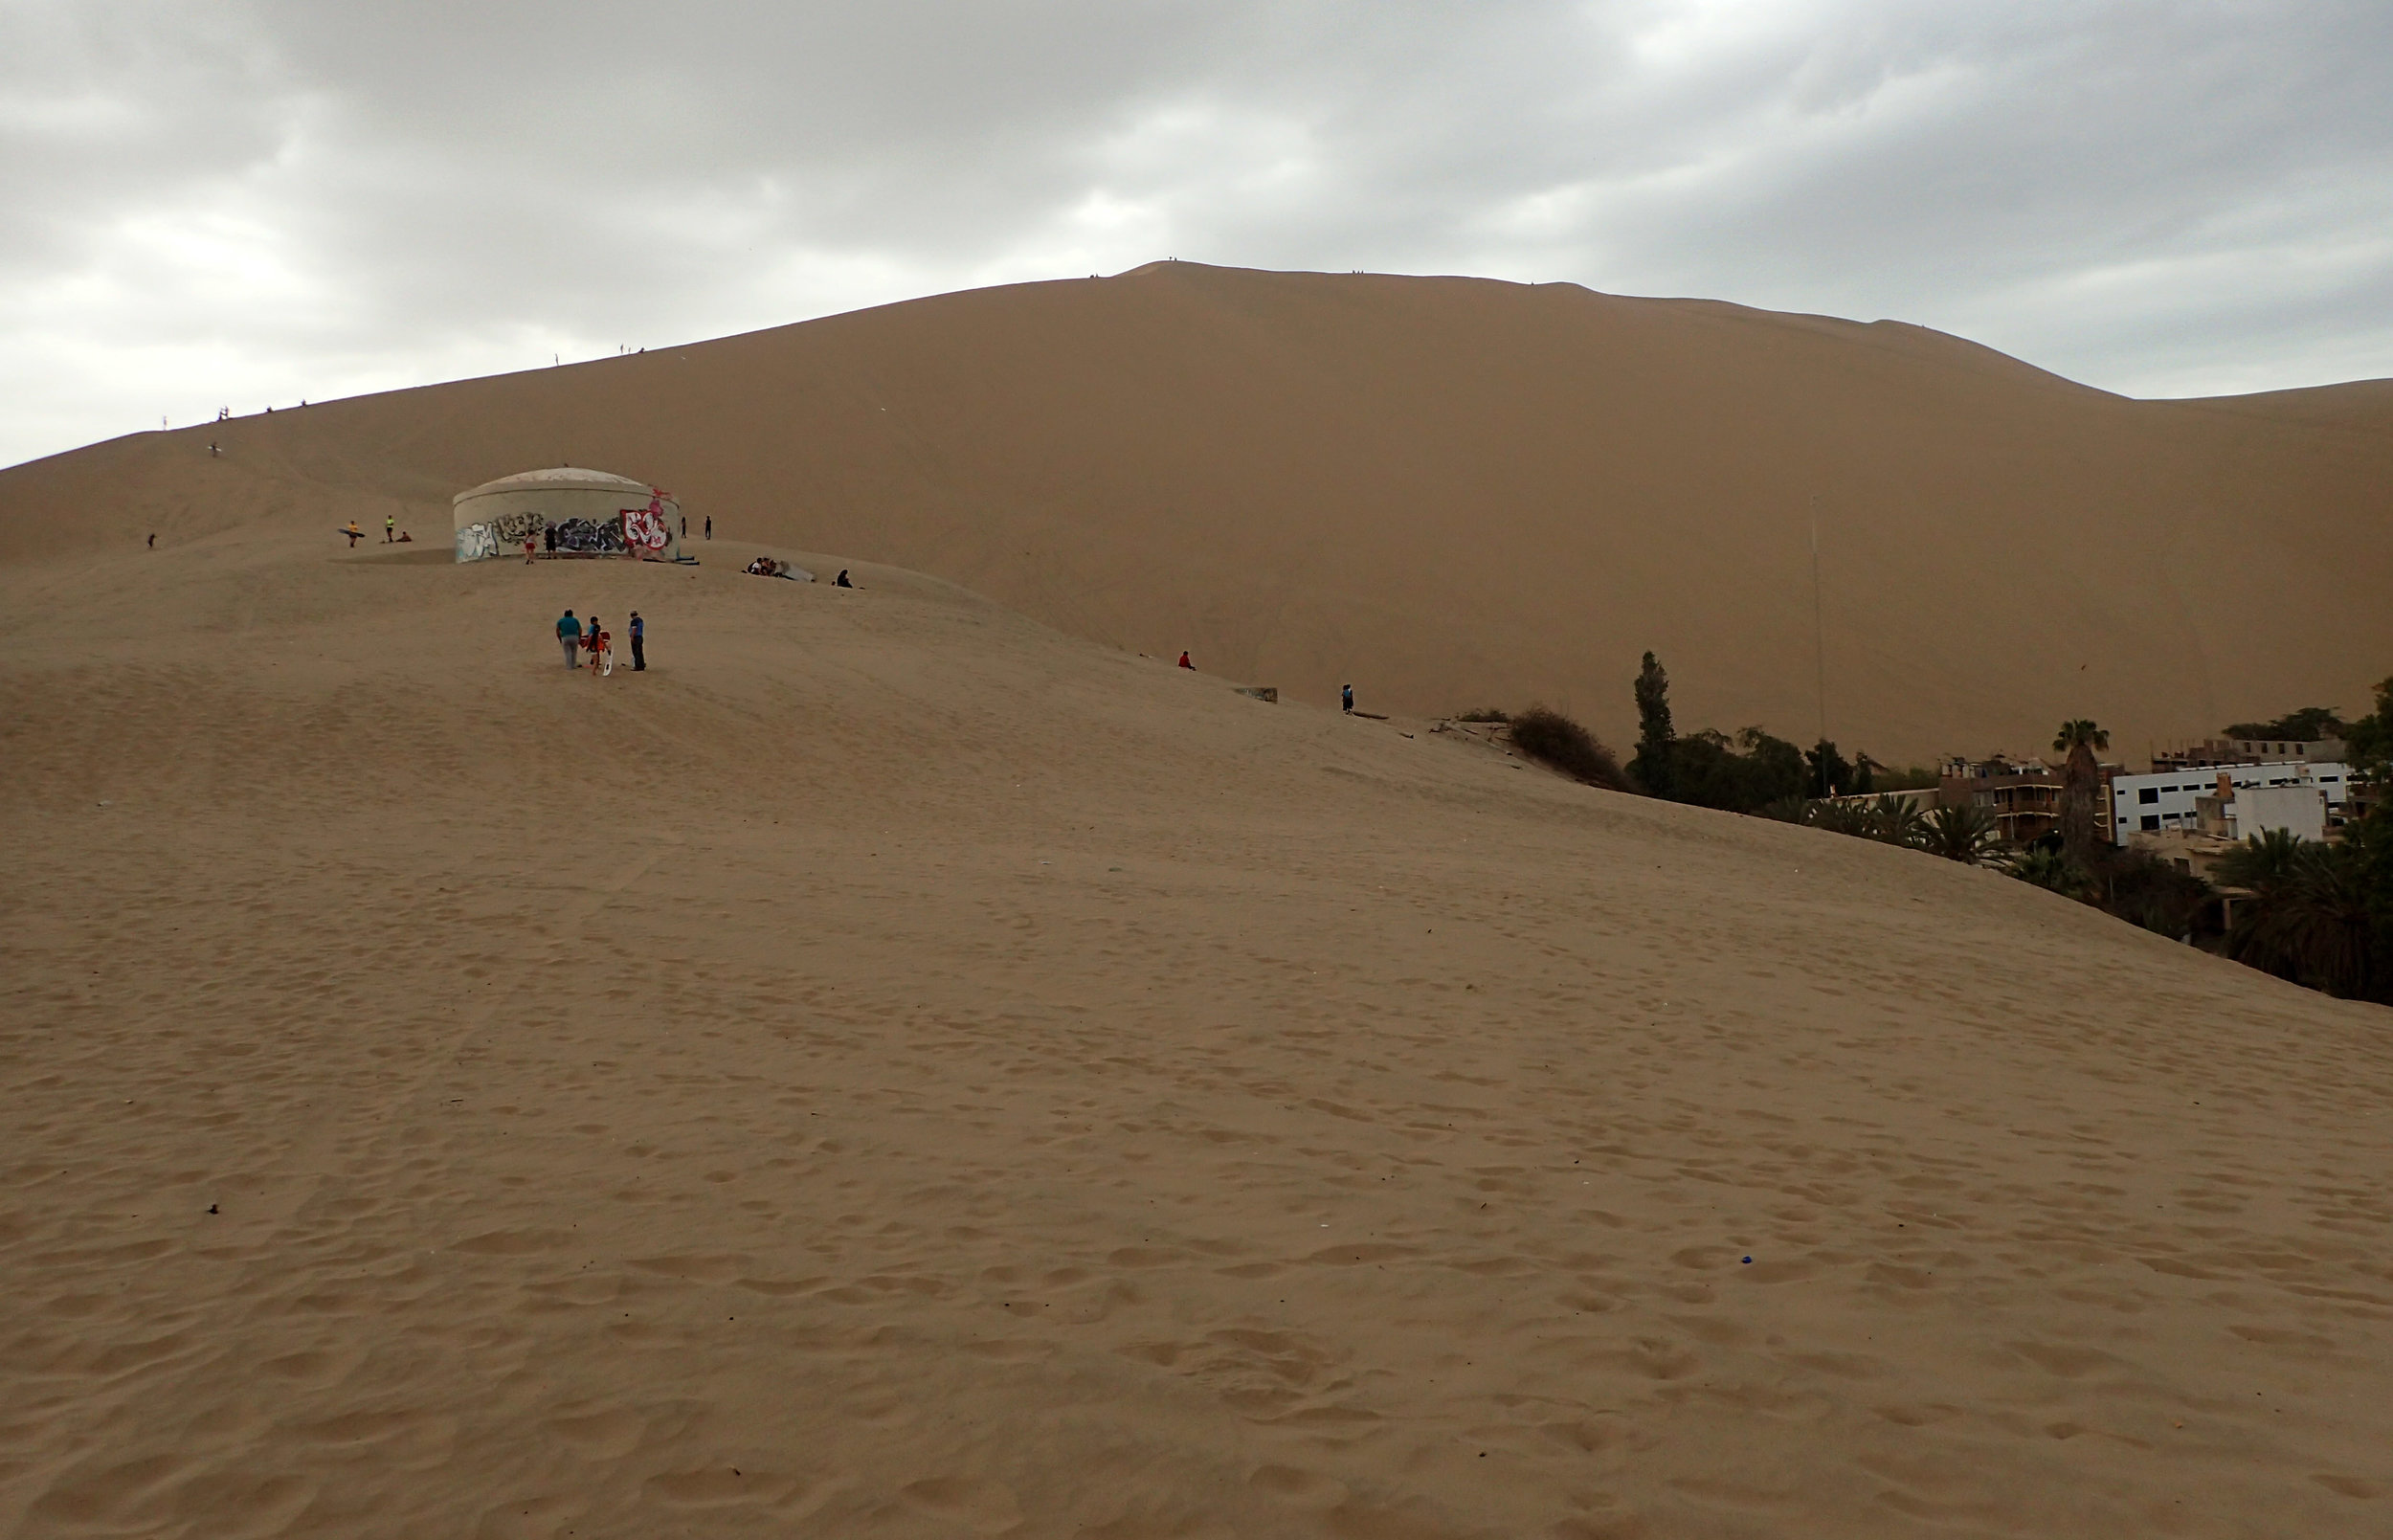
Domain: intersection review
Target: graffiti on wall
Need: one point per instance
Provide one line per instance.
(476, 543)
(588, 537)
(646, 528)
(514, 529)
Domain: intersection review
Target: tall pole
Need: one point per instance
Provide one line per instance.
(1819, 620)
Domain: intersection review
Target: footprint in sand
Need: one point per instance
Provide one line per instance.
(985, 1507)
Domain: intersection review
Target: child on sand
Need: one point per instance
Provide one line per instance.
(601, 656)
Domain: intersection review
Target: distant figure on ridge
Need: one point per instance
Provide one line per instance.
(569, 635)
(354, 533)
(153, 541)
(640, 636)
(1184, 663)
(843, 582)
(390, 528)
(1345, 697)
(710, 527)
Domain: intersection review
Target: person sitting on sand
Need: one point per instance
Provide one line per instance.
(1184, 663)
(406, 539)
(843, 582)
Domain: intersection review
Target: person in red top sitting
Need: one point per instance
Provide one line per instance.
(1184, 663)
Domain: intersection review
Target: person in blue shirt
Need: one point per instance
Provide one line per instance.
(1346, 698)
(640, 636)
(570, 634)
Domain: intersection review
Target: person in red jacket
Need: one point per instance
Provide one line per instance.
(1184, 663)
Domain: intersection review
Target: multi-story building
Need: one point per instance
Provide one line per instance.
(2212, 752)
(2165, 800)
(2024, 794)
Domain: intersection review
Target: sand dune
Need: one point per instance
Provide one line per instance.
(893, 1069)
(1449, 492)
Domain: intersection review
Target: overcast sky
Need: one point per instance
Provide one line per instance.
(246, 202)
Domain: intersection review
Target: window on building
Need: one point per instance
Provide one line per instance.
(2150, 793)
(2152, 823)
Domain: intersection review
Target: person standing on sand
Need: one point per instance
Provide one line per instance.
(686, 526)
(1345, 697)
(153, 541)
(390, 528)
(569, 635)
(601, 658)
(710, 527)
(639, 638)
(527, 551)
(354, 533)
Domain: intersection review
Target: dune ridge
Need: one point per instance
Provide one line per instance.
(1450, 492)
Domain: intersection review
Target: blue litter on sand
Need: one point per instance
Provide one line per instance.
(1749, 1259)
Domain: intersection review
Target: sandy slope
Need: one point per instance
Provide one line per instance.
(1449, 492)
(892, 1070)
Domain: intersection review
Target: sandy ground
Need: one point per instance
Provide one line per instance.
(1448, 492)
(891, 1069)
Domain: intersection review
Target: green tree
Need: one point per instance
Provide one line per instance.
(1657, 739)
(2309, 724)
(1830, 774)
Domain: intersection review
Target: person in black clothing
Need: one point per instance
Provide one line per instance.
(639, 638)
(710, 527)
(1346, 696)
(843, 582)
(550, 534)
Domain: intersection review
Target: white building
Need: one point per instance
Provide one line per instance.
(2300, 811)
(2150, 804)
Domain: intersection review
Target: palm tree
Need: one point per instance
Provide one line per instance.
(2081, 785)
(2262, 861)
(2308, 918)
(1965, 832)
(2047, 868)
(1895, 820)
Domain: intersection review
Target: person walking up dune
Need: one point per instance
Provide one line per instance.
(570, 634)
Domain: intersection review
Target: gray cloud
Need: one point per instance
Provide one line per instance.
(260, 200)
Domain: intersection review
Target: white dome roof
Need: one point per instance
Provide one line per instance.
(562, 478)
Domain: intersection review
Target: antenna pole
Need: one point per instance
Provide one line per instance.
(1819, 620)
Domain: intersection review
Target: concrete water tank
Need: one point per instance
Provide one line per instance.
(594, 514)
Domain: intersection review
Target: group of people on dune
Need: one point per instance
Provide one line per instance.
(578, 636)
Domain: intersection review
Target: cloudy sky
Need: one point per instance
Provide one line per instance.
(247, 202)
